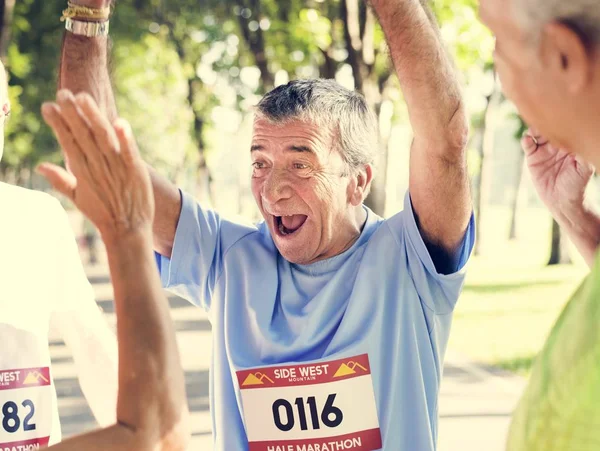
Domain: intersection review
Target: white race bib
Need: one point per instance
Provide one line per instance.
(25, 409)
(324, 406)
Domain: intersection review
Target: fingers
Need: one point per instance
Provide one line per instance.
(62, 181)
(77, 123)
(102, 129)
(127, 144)
(528, 144)
(52, 115)
(532, 141)
(82, 133)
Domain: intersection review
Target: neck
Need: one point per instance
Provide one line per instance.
(358, 222)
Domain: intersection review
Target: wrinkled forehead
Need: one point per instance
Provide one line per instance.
(289, 128)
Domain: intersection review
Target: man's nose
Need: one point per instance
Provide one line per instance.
(276, 187)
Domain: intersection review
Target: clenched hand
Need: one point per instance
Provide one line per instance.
(560, 177)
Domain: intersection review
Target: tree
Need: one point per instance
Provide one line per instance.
(6, 16)
(31, 62)
(483, 136)
(512, 233)
(559, 252)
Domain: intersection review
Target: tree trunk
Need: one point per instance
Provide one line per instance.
(6, 15)
(256, 42)
(203, 191)
(359, 36)
(204, 181)
(512, 234)
(485, 137)
(559, 253)
(377, 197)
(328, 68)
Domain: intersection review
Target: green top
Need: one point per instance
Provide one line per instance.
(560, 410)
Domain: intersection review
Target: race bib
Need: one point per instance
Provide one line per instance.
(326, 406)
(25, 409)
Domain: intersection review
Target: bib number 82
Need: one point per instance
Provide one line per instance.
(11, 422)
(331, 416)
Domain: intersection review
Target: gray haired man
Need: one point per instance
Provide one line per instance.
(548, 57)
(329, 323)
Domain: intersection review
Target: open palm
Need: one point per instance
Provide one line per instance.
(559, 177)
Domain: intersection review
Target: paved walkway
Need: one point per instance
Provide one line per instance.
(475, 404)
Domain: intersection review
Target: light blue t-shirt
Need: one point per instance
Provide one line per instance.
(362, 334)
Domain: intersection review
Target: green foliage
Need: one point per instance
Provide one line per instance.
(163, 49)
(31, 63)
(154, 100)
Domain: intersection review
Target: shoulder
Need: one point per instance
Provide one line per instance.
(31, 211)
(28, 200)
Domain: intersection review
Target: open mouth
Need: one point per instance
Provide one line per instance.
(288, 225)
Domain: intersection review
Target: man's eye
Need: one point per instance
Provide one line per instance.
(300, 166)
(258, 165)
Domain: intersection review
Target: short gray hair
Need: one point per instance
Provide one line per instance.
(327, 104)
(583, 16)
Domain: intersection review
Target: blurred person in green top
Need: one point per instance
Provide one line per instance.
(548, 58)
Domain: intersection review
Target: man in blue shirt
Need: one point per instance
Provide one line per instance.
(329, 323)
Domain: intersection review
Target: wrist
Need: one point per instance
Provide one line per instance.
(117, 241)
(570, 211)
(580, 220)
(97, 4)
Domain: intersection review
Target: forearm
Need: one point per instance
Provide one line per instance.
(148, 354)
(84, 68)
(426, 73)
(583, 228)
(168, 209)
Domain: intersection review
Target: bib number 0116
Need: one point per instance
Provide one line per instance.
(330, 416)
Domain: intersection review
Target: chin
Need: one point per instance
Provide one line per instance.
(293, 254)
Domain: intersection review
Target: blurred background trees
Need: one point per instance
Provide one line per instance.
(187, 74)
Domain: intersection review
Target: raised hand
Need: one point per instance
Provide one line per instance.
(106, 178)
(559, 177)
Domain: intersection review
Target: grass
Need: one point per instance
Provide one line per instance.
(511, 298)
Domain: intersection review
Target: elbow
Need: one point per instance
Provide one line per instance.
(166, 432)
(447, 139)
(456, 131)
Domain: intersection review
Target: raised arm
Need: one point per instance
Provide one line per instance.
(108, 182)
(439, 184)
(84, 68)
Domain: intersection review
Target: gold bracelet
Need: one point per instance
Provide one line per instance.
(83, 12)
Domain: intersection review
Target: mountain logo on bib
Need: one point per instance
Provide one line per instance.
(256, 379)
(35, 378)
(349, 368)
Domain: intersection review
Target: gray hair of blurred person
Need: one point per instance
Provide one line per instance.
(582, 16)
(330, 106)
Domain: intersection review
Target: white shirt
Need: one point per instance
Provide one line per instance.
(43, 282)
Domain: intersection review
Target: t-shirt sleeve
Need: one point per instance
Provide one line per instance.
(439, 292)
(196, 262)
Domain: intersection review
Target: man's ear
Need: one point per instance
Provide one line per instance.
(567, 57)
(360, 185)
